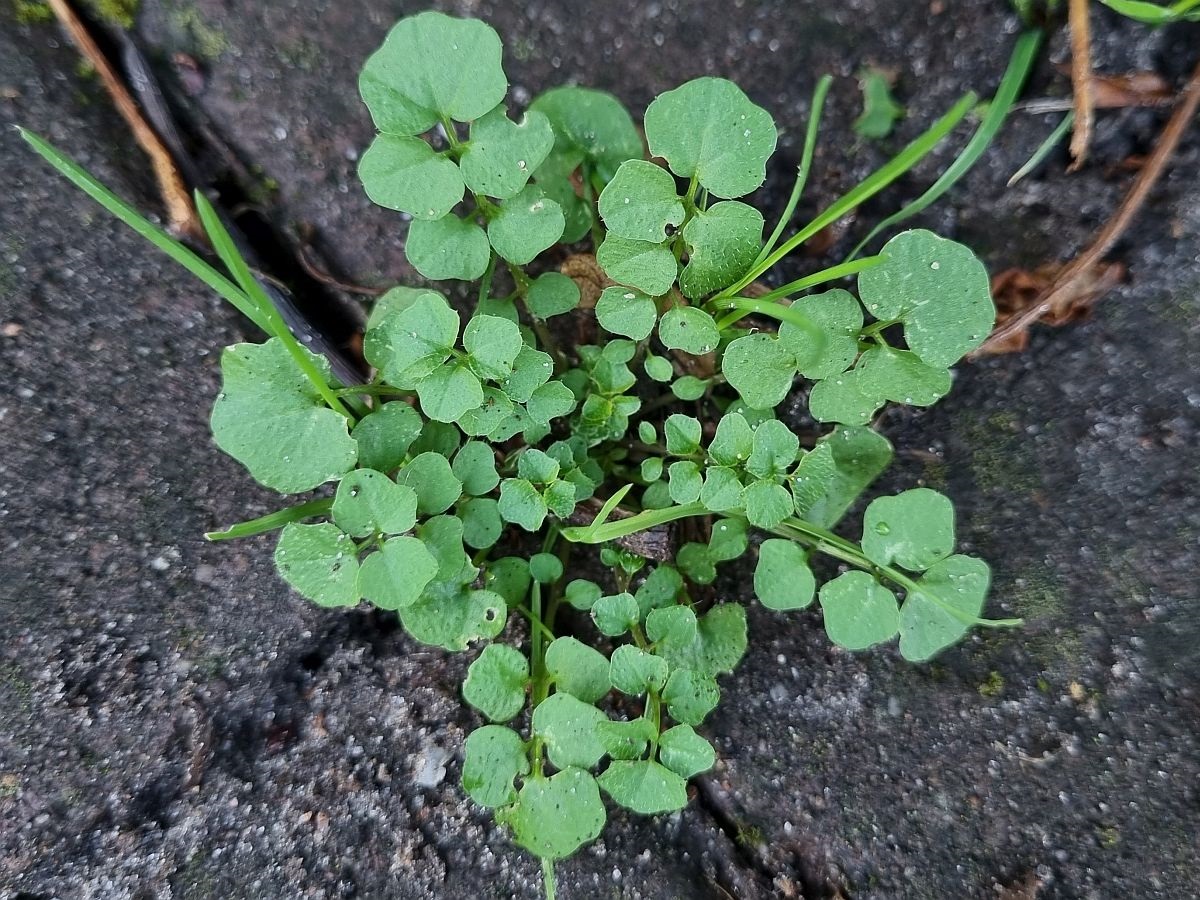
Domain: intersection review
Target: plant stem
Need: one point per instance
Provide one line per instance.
(548, 877)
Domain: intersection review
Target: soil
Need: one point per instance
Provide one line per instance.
(174, 724)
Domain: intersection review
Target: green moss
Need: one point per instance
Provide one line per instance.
(10, 785)
(1001, 459)
(205, 41)
(31, 12)
(750, 835)
(115, 12)
(1108, 836)
(992, 686)
(303, 54)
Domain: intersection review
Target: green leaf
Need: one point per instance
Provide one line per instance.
(685, 482)
(590, 124)
(684, 752)
(689, 329)
(448, 248)
(475, 467)
(1155, 13)
(728, 540)
(531, 369)
(848, 399)
(722, 489)
(368, 501)
(901, 376)
(396, 575)
(410, 342)
(320, 562)
(385, 435)
(568, 727)
(859, 612)
(493, 757)
(626, 740)
(766, 503)
(697, 563)
(526, 225)
(914, 529)
(552, 400)
(855, 457)
(270, 418)
(449, 391)
(690, 388)
(643, 265)
(522, 504)
(722, 243)
(430, 66)
(482, 524)
(491, 417)
(552, 294)
(839, 318)
(577, 669)
(633, 671)
(658, 368)
(453, 619)
(709, 129)
(496, 682)
(405, 174)
(938, 289)
(561, 497)
(508, 576)
(615, 614)
(782, 579)
(443, 537)
(582, 594)
(733, 441)
(430, 475)
(545, 567)
(553, 817)
(626, 311)
(640, 202)
(773, 451)
(928, 624)
(537, 466)
(716, 645)
(644, 786)
(690, 696)
(880, 111)
(682, 434)
(503, 154)
(493, 344)
(760, 369)
(660, 588)
(437, 437)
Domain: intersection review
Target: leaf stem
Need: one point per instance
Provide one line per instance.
(548, 877)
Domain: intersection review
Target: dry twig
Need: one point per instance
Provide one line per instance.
(1081, 81)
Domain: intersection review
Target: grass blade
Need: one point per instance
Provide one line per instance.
(1044, 149)
(1019, 66)
(272, 521)
(151, 232)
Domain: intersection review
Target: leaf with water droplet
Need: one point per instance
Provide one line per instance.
(643, 265)
(430, 475)
(859, 612)
(901, 376)
(684, 752)
(405, 174)
(502, 154)
(640, 202)
(590, 125)
(453, 616)
(368, 501)
(690, 696)
(689, 329)
(848, 399)
(567, 725)
(928, 623)
(938, 288)
(914, 529)
(412, 341)
(385, 435)
(493, 345)
(832, 349)
(615, 614)
(633, 671)
(626, 311)
(527, 224)
(710, 129)
(320, 562)
(767, 503)
(432, 65)
(521, 503)
(449, 391)
(835, 473)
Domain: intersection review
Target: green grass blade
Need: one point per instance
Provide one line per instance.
(272, 521)
(869, 187)
(151, 232)
(806, 158)
(1019, 66)
(1043, 150)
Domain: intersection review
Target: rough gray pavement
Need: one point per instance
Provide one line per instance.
(173, 724)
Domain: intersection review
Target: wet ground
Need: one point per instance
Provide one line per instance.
(174, 724)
